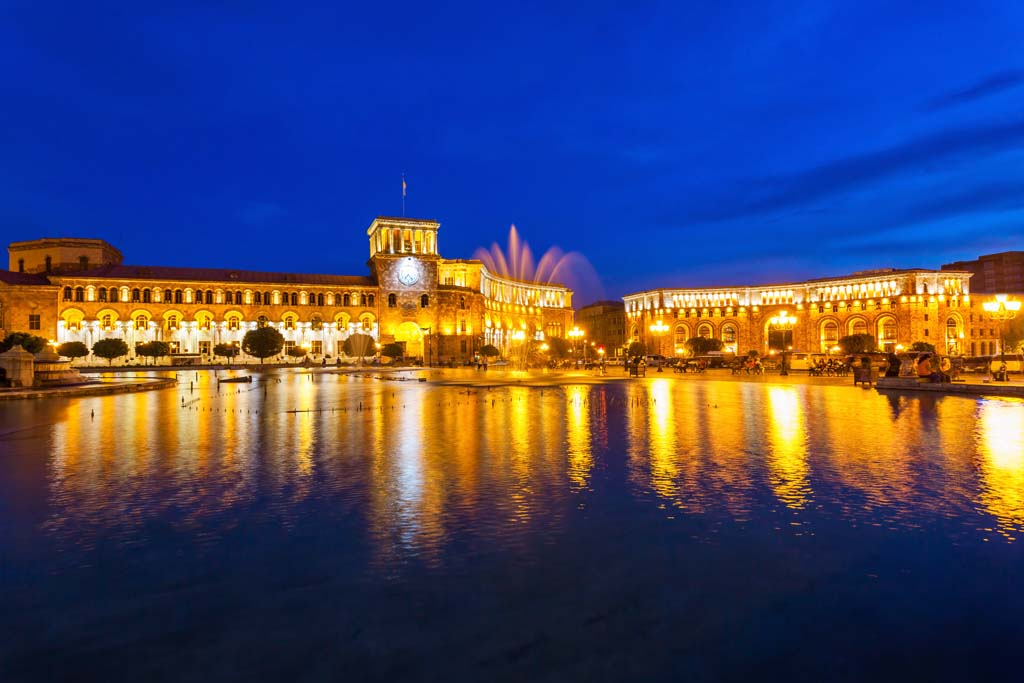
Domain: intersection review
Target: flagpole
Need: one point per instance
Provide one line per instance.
(403, 195)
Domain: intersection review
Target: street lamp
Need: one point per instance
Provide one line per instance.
(784, 322)
(1000, 310)
(426, 343)
(658, 329)
(575, 334)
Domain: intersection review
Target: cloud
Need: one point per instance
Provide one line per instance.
(797, 191)
(992, 85)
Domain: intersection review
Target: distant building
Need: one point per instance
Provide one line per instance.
(1000, 273)
(897, 307)
(604, 323)
(437, 308)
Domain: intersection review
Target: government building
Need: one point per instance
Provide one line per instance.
(442, 310)
(896, 307)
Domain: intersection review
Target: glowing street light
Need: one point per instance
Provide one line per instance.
(784, 322)
(1001, 309)
(658, 329)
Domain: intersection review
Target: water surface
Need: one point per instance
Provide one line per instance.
(352, 527)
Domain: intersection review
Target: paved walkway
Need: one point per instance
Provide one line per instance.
(93, 388)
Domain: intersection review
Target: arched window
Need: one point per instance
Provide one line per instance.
(392, 300)
(316, 322)
(209, 296)
(233, 321)
(858, 326)
(147, 296)
(102, 293)
(952, 329)
(681, 335)
(79, 294)
(114, 294)
(729, 333)
(238, 296)
(177, 296)
(369, 300)
(199, 296)
(295, 298)
(136, 295)
(141, 322)
(462, 303)
(229, 298)
(67, 294)
(367, 323)
(888, 331)
(107, 321)
(705, 331)
(320, 299)
(289, 323)
(346, 300)
(424, 301)
(262, 321)
(258, 298)
(172, 322)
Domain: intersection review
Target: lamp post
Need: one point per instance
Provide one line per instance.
(1002, 309)
(575, 334)
(658, 329)
(426, 344)
(784, 322)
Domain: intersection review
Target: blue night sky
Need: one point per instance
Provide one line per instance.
(675, 144)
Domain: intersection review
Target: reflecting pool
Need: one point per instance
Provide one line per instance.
(374, 527)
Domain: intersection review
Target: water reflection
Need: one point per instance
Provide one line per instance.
(416, 467)
(1001, 464)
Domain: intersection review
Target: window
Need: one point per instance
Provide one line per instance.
(462, 326)
(926, 317)
(33, 322)
(317, 348)
(729, 334)
(238, 296)
(83, 262)
(79, 294)
(172, 322)
(177, 296)
(107, 321)
(369, 300)
(462, 346)
(346, 300)
(114, 294)
(392, 300)
(147, 296)
(232, 321)
(141, 322)
(316, 323)
(136, 295)
(262, 321)
(103, 294)
(295, 298)
(229, 297)
(367, 324)
(67, 294)
(320, 299)
(424, 301)
(259, 298)
(289, 323)
(204, 322)
(21, 265)
(49, 264)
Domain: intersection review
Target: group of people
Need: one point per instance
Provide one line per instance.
(932, 369)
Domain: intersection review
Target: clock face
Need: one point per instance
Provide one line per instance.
(408, 274)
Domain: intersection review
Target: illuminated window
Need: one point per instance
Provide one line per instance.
(141, 322)
(262, 321)
(34, 322)
(172, 322)
(289, 323)
(729, 334)
(232, 321)
(107, 321)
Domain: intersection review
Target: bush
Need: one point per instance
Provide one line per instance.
(858, 343)
(29, 342)
(73, 350)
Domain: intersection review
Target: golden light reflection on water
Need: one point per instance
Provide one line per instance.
(1001, 464)
(787, 455)
(423, 465)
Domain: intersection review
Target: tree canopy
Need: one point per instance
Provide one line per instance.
(228, 351)
(263, 342)
(110, 349)
(858, 343)
(153, 349)
(358, 344)
(489, 350)
(636, 349)
(296, 352)
(920, 347)
(73, 349)
(392, 350)
(29, 342)
(701, 345)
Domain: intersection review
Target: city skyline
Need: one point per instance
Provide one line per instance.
(684, 147)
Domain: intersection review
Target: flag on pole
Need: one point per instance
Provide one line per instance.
(403, 186)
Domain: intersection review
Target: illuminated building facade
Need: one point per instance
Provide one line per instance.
(438, 309)
(897, 307)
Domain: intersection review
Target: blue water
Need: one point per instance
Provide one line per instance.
(352, 527)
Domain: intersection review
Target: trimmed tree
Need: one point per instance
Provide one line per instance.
(73, 350)
(558, 348)
(296, 352)
(392, 350)
(153, 349)
(919, 347)
(263, 342)
(29, 342)
(489, 350)
(858, 343)
(701, 345)
(228, 351)
(110, 349)
(636, 349)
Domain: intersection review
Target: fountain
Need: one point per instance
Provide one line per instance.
(570, 269)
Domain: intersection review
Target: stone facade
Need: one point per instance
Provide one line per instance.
(28, 303)
(1001, 273)
(897, 307)
(439, 309)
(604, 323)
